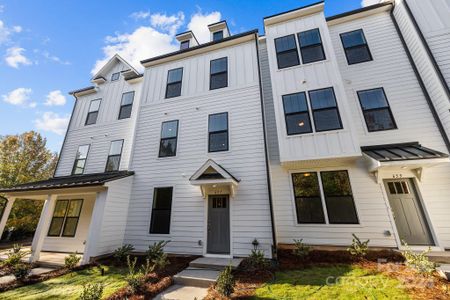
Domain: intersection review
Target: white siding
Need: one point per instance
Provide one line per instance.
(250, 214)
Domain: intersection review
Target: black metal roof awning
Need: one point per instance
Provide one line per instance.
(401, 152)
(95, 179)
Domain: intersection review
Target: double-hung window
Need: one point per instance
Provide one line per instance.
(331, 189)
(286, 48)
(356, 47)
(115, 153)
(218, 35)
(296, 114)
(325, 111)
(376, 110)
(218, 73)
(80, 160)
(184, 45)
(311, 47)
(174, 80)
(169, 137)
(161, 210)
(65, 218)
(218, 132)
(92, 115)
(115, 76)
(126, 105)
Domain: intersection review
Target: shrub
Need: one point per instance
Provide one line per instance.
(15, 256)
(358, 248)
(225, 282)
(419, 261)
(21, 271)
(134, 278)
(121, 253)
(92, 291)
(71, 261)
(156, 256)
(301, 250)
(257, 260)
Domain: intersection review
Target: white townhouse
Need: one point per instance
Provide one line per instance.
(319, 129)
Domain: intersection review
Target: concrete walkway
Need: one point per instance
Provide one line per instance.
(35, 271)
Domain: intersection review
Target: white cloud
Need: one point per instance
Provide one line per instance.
(20, 97)
(55, 98)
(6, 32)
(169, 24)
(50, 121)
(140, 15)
(369, 2)
(199, 24)
(14, 57)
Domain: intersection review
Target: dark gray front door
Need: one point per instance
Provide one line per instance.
(408, 212)
(218, 225)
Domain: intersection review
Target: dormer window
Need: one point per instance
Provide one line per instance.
(184, 45)
(217, 36)
(115, 76)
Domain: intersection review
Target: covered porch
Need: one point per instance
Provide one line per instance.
(73, 217)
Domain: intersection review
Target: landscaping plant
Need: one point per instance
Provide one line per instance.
(225, 282)
(135, 278)
(15, 256)
(358, 248)
(71, 261)
(257, 260)
(301, 250)
(92, 291)
(21, 271)
(156, 256)
(121, 253)
(419, 261)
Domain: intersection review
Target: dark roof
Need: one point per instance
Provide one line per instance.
(236, 36)
(82, 90)
(134, 77)
(69, 181)
(357, 11)
(398, 152)
(295, 9)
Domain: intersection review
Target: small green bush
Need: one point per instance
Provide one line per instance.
(419, 261)
(92, 291)
(225, 282)
(71, 261)
(121, 253)
(257, 260)
(301, 250)
(135, 278)
(21, 271)
(156, 255)
(358, 248)
(14, 256)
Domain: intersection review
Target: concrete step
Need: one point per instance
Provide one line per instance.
(197, 277)
(179, 292)
(215, 263)
(444, 271)
(49, 265)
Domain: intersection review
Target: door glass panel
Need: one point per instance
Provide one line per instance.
(391, 188)
(398, 187)
(405, 187)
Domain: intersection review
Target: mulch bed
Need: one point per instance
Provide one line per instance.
(156, 282)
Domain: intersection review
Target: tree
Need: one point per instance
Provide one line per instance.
(25, 158)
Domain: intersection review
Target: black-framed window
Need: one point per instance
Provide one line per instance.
(308, 202)
(80, 160)
(161, 210)
(311, 47)
(169, 137)
(325, 110)
(376, 110)
(115, 76)
(218, 73)
(126, 105)
(65, 218)
(218, 132)
(92, 115)
(339, 197)
(174, 81)
(296, 114)
(287, 54)
(356, 47)
(114, 155)
(218, 35)
(184, 45)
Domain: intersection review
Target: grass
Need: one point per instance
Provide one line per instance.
(70, 285)
(335, 282)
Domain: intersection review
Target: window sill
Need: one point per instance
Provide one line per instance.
(304, 65)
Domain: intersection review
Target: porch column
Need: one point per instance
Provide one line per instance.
(6, 213)
(42, 228)
(93, 236)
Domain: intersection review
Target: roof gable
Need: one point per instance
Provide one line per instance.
(116, 59)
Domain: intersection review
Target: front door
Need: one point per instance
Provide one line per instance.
(408, 212)
(218, 225)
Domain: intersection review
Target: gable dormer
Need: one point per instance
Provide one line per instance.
(219, 30)
(187, 40)
(114, 70)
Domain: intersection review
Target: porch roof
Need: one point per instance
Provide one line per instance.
(401, 152)
(94, 179)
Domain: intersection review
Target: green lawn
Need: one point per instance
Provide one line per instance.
(320, 283)
(70, 285)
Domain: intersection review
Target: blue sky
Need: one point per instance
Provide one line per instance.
(48, 48)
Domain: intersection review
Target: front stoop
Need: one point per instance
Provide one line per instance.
(198, 277)
(215, 263)
(444, 271)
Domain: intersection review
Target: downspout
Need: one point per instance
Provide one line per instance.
(266, 153)
(421, 83)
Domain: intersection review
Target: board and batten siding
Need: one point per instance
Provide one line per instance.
(249, 209)
(304, 78)
(107, 128)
